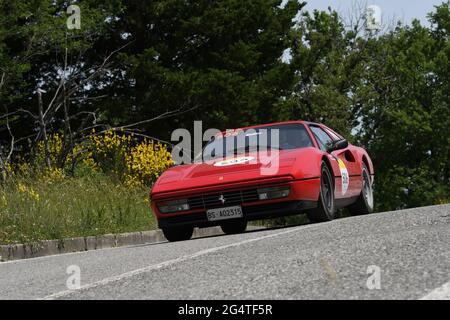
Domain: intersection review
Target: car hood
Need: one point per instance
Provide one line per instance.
(252, 166)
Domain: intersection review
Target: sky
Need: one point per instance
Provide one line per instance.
(403, 10)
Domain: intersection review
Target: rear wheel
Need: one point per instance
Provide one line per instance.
(178, 233)
(234, 226)
(325, 210)
(364, 204)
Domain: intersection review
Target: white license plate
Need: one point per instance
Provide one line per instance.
(224, 213)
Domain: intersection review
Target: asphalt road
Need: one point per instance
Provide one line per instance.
(405, 254)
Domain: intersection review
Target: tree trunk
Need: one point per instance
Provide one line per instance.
(43, 129)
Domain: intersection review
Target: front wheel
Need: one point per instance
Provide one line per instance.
(178, 233)
(234, 226)
(325, 210)
(364, 204)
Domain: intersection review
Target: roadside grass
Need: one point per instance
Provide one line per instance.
(37, 208)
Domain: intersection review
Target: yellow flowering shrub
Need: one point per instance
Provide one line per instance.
(55, 144)
(28, 191)
(109, 150)
(9, 168)
(52, 175)
(147, 160)
(137, 163)
(100, 188)
(86, 156)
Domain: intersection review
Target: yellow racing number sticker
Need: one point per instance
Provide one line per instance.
(345, 177)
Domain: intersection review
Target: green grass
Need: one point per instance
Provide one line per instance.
(37, 208)
(32, 209)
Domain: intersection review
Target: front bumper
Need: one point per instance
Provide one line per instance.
(254, 212)
(304, 195)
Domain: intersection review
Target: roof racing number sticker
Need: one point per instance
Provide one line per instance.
(234, 161)
(344, 175)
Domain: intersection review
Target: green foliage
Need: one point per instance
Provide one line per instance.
(37, 50)
(388, 93)
(221, 58)
(326, 60)
(404, 114)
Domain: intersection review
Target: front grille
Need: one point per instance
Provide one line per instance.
(231, 198)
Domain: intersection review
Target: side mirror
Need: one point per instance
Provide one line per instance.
(337, 145)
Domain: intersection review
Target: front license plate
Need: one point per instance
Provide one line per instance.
(224, 213)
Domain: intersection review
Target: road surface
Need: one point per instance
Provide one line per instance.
(393, 255)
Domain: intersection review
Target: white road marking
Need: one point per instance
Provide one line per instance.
(168, 263)
(441, 293)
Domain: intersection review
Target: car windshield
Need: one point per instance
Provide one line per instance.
(278, 137)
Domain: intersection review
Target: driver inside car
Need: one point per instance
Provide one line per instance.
(299, 140)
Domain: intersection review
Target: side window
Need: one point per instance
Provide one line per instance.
(321, 136)
(333, 135)
(294, 136)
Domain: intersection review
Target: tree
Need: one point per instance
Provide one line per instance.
(404, 113)
(327, 59)
(215, 61)
(388, 93)
(45, 77)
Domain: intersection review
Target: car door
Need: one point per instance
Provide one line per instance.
(349, 159)
(342, 161)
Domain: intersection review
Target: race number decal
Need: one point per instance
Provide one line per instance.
(233, 161)
(344, 175)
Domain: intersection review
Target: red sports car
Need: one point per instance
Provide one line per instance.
(317, 172)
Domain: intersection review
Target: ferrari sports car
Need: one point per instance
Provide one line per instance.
(317, 173)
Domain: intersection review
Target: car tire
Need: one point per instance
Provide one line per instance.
(178, 233)
(364, 203)
(234, 227)
(325, 210)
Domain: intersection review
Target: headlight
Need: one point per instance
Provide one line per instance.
(273, 192)
(173, 206)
